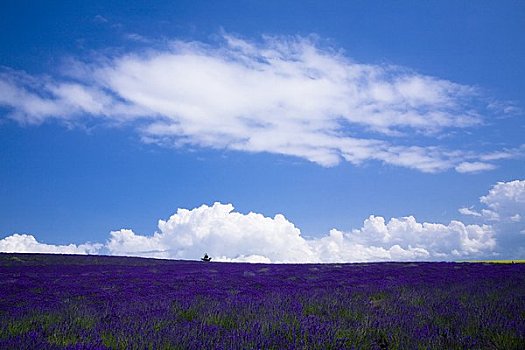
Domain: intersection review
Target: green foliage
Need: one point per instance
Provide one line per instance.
(62, 338)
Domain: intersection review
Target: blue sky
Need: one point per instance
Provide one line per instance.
(378, 130)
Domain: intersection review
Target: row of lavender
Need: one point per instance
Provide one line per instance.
(90, 302)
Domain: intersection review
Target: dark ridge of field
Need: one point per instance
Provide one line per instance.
(107, 302)
(33, 259)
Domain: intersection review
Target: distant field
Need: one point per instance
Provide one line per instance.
(96, 302)
(498, 261)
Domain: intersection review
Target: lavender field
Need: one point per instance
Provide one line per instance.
(95, 302)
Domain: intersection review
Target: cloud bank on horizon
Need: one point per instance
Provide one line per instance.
(231, 236)
(283, 95)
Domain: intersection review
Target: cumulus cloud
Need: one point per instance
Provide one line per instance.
(505, 209)
(506, 198)
(231, 236)
(22, 243)
(283, 95)
(505, 202)
(228, 235)
(218, 230)
(235, 237)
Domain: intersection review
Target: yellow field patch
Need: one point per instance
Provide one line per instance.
(497, 261)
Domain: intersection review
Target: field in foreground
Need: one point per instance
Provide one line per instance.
(93, 302)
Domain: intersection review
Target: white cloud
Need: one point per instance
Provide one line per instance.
(505, 208)
(219, 231)
(506, 198)
(469, 211)
(472, 167)
(22, 243)
(505, 202)
(484, 213)
(231, 236)
(504, 154)
(284, 95)
(34, 101)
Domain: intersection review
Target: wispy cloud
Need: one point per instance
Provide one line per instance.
(473, 167)
(100, 19)
(138, 38)
(282, 95)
